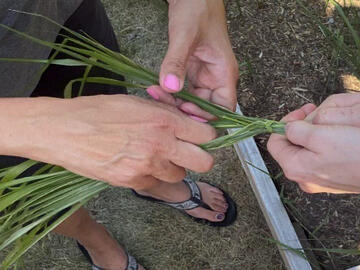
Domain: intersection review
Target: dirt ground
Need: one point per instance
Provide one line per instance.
(291, 64)
(159, 237)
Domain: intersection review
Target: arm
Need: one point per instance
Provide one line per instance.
(123, 140)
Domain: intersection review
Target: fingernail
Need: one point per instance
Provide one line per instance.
(220, 216)
(153, 93)
(199, 119)
(172, 82)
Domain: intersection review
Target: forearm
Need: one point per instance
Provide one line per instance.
(18, 117)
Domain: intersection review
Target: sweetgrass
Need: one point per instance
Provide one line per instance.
(32, 206)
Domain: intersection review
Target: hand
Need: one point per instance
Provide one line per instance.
(322, 152)
(199, 47)
(123, 140)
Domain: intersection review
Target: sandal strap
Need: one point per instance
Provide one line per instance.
(195, 200)
(132, 264)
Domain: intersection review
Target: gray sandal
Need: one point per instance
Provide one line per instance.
(196, 201)
(131, 263)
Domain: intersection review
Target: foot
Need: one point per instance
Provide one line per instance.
(179, 192)
(107, 253)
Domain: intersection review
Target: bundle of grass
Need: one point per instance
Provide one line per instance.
(32, 206)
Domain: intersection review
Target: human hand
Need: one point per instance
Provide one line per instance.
(199, 47)
(322, 145)
(123, 140)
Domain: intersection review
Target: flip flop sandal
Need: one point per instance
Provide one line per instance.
(131, 265)
(196, 201)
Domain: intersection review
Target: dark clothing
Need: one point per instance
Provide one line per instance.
(18, 80)
(91, 18)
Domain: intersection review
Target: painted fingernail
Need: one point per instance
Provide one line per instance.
(220, 216)
(153, 93)
(199, 119)
(172, 82)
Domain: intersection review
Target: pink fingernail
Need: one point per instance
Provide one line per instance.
(172, 82)
(199, 119)
(153, 93)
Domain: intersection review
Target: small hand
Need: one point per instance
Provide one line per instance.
(199, 47)
(321, 148)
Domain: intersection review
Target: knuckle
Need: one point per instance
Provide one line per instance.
(321, 116)
(177, 63)
(163, 121)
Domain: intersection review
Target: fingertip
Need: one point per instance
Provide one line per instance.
(152, 91)
(171, 83)
(308, 108)
(294, 116)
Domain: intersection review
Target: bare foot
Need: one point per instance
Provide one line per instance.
(179, 192)
(108, 254)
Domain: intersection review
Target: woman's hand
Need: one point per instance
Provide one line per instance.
(199, 47)
(123, 140)
(321, 150)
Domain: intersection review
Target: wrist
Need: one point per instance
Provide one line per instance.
(19, 132)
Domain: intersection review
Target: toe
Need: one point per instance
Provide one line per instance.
(209, 215)
(219, 197)
(215, 190)
(218, 207)
(221, 202)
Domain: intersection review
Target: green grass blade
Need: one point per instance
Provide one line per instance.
(60, 62)
(348, 24)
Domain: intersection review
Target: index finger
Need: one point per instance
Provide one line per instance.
(189, 130)
(335, 101)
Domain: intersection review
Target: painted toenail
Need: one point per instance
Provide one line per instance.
(220, 216)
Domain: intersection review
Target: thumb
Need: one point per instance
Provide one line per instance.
(173, 68)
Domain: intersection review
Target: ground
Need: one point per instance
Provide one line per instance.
(289, 63)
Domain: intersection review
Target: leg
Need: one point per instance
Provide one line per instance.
(104, 250)
(180, 192)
